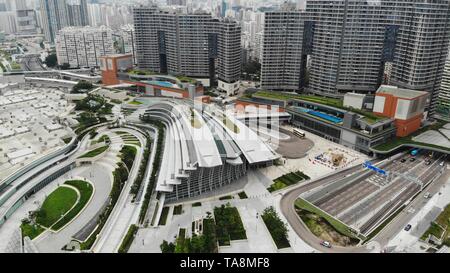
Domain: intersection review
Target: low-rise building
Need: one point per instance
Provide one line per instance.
(405, 106)
(328, 118)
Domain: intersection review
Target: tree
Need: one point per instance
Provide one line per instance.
(82, 85)
(64, 66)
(51, 60)
(167, 247)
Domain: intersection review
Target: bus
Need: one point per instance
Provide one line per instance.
(298, 133)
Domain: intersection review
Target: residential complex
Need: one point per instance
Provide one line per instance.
(282, 56)
(83, 46)
(348, 43)
(181, 43)
(55, 16)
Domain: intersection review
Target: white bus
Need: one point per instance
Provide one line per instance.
(298, 133)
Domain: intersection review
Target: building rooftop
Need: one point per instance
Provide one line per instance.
(400, 92)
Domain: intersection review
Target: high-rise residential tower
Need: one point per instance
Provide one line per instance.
(349, 43)
(83, 46)
(229, 59)
(187, 44)
(55, 16)
(281, 63)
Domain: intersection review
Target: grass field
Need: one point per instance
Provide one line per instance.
(30, 230)
(287, 180)
(86, 190)
(59, 202)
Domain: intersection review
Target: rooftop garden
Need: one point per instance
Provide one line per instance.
(141, 72)
(408, 140)
(337, 103)
(186, 79)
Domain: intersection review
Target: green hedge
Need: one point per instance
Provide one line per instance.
(120, 175)
(277, 228)
(155, 168)
(128, 239)
(140, 177)
(95, 152)
(228, 224)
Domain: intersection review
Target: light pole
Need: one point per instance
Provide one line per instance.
(257, 214)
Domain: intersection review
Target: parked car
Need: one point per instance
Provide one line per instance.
(403, 160)
(326, 244)
(408, 227)
(412, 159)
(427, 195)
(428, 162)
(442, 164)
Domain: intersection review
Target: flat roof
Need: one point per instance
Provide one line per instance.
(400, 92)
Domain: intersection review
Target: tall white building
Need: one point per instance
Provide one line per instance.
(83, 46)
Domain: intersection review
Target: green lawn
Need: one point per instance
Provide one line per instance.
(95, 152)
(31, 231)
(59, 202)
(338, 225)
(86, 191)
(287, 180)
(135, 102)
(371, 118)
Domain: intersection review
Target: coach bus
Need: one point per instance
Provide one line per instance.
(298, 133)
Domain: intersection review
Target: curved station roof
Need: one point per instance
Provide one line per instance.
(202, 137)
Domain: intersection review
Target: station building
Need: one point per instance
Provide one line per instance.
(204, 148)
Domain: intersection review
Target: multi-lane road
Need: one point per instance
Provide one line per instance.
(424, 172)
(32, 62)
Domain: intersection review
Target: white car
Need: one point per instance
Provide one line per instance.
(427, 195)
(326, 244)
